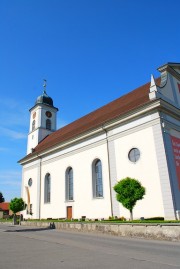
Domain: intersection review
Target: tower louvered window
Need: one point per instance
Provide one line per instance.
(48, 124)
(33, 125)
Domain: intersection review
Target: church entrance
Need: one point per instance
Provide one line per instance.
(69, 212)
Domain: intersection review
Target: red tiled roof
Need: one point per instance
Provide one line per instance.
(112, 110)
(4, 206)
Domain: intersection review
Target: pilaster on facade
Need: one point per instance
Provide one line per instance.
(113, 178)
(167, 195)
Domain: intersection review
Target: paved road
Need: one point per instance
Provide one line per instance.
(31, 248)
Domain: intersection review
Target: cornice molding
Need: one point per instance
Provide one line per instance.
(170, 70)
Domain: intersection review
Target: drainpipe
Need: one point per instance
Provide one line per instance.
(107, 143)
(40, 161)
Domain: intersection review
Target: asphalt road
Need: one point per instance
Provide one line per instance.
(31, 248)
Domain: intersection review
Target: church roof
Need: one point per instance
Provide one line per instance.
(97, 118)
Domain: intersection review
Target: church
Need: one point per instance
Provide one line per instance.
(70, 172)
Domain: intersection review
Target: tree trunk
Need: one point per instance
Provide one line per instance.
(14, 219)
(131, 215)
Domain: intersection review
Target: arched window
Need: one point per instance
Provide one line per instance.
(47, 188)
(69, 184)
(48, 124)
(97, 179)
(33, 125)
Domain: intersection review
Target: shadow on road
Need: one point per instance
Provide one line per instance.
(39, 229)
(28, 230)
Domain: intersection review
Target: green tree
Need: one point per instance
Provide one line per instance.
(1, 198)
(129, 191)
(16, 205)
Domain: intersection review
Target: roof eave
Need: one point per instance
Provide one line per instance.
(150, 105)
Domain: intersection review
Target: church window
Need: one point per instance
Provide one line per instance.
(69, 184)
(48, 124)
(33, 125)
(30, 182)
(134, 155)
(47, 188)
(97, 179)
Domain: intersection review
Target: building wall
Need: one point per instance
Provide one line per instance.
(145, 170)
(80, 157)
(31, 171)
(171, 132)
(84, 204)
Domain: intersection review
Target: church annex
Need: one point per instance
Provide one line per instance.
(70, 172)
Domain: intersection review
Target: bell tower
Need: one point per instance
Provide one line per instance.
(42, 120)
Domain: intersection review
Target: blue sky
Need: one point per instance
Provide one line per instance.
(89, 51)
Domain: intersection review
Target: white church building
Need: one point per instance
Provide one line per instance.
(70, 172)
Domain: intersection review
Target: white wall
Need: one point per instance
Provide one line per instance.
(31, 172)
(145, 170)
(138, 134)
(81, 158)
(84, 204)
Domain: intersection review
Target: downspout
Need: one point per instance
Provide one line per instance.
(40, 161)
(107, 143)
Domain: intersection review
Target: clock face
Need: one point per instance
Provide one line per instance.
(30, 182)
(34, 115)
(48, 114)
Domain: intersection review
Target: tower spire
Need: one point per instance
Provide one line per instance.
(44, 85)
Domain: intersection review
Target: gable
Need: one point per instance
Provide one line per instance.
(170, 83)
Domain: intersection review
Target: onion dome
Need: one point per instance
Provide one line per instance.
(44, 99)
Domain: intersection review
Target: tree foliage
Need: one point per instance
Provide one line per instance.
(16, 205)
(129, 191)
(1, 198)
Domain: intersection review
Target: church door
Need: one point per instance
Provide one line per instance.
(69, 212)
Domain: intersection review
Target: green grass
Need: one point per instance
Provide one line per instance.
(5, 220)
(108, 221)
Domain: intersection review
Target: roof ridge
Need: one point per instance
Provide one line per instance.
(118, 107)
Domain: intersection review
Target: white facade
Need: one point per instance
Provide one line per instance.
(149, 128)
